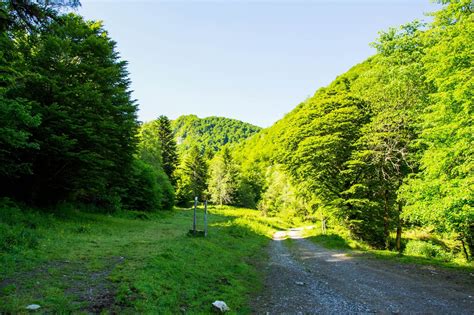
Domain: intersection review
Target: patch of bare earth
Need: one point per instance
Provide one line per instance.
(94, 288)
(92, 291)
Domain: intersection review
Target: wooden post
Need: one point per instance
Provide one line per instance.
(205, 218)
(194, 218)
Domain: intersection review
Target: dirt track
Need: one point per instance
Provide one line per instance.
(304, 278)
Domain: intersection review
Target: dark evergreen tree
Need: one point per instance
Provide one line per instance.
(72, 77)
(31, 14)
(169, 154)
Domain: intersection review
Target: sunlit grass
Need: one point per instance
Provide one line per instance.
(253, 220)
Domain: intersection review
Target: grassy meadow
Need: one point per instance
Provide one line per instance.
(76, 261)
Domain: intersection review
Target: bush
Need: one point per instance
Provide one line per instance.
(148, 189)
(427, 250)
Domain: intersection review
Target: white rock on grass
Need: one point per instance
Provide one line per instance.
(221, 306)
(33, 307)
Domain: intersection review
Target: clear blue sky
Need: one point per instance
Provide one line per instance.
(250, 60)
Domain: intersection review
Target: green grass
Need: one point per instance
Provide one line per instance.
(134, 262)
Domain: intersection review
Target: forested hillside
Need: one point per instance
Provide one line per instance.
(210, 133)
(386, 146)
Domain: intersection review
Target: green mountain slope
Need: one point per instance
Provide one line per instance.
(210, 133)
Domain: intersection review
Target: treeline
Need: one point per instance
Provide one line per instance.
(388, 145)
(69, 131)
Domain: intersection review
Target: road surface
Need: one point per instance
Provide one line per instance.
(305, 278)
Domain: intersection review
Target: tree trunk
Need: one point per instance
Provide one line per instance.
(470, 241)
(399, 228)
(464, 248)
(386, 231)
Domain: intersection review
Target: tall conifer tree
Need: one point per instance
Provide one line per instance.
(168, 146)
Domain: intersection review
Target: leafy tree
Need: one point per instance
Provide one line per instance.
(442, 193)
(143, 191)
(395, 89)
(148, 189)
(245, 195)
(191, 177)
(319, 145)
(150, 153)
(223, 178)
(149, 145)
(16, 117)
(278, 194)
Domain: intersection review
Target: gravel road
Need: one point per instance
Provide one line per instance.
(305, 278)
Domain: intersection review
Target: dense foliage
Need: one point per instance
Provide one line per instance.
(68, 124)
(222, 178)
(73, 154)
